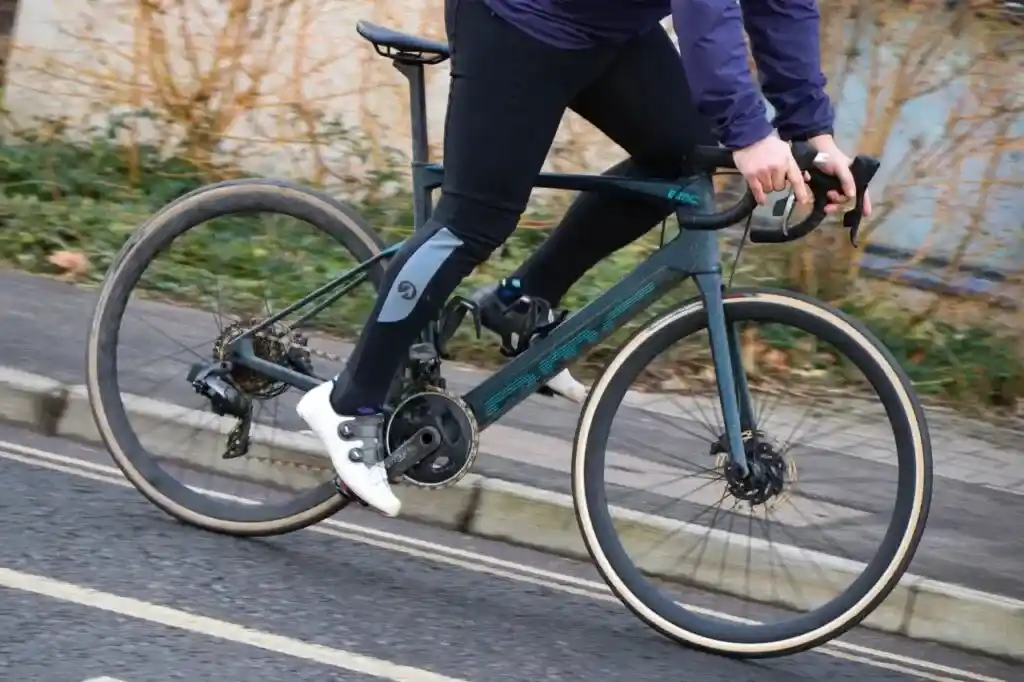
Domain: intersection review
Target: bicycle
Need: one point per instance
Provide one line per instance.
(423, 416)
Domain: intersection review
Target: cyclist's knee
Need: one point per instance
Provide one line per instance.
(481, 226)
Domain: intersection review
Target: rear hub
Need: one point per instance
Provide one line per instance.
(268, 344)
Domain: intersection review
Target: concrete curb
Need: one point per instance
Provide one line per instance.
(918, 608)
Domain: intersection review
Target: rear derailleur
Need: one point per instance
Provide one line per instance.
(213, 381)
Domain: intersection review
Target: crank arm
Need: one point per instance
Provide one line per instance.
(410, 453)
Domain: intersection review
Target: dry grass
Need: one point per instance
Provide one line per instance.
(274, 85)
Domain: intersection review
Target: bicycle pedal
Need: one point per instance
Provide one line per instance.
(347, 494)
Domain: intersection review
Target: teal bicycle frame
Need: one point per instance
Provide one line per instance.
(692, 253)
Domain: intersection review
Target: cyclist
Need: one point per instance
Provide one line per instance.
(516, 66)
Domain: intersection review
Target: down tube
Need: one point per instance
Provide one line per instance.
(580, 332)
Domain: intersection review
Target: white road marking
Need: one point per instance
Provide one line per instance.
(482, 563)
(637, 473)
(1004, 490)
(218, 629)
(104, 679)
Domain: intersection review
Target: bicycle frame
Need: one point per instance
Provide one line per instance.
(690, 254)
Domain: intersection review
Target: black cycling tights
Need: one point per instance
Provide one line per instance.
(508, 94)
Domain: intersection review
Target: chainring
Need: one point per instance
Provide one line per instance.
(460, 436)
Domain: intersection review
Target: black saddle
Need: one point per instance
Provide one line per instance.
(403, 47)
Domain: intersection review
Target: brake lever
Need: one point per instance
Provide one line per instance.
(783, 208)
(863, 169)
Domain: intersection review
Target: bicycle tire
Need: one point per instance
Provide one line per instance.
(329, 216)
(902, 536)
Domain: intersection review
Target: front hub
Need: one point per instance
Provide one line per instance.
(768, 472)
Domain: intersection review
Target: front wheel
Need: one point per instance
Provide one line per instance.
(795, 615)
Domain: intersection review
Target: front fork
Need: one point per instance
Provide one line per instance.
(733, 390)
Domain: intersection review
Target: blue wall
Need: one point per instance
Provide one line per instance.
(1000, 250)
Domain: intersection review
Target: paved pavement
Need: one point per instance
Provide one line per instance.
(979, 493)
(97, 584)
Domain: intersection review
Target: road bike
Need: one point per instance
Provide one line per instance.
(432, 434)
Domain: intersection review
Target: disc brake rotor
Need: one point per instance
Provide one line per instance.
(777, 471)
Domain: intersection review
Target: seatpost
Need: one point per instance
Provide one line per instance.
(421, 197)
(413, 72)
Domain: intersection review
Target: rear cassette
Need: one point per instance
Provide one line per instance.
(459, 436)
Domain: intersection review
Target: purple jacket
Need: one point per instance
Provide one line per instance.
(783, 35)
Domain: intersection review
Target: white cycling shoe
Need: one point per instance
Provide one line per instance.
(566, 385)
(353, 444)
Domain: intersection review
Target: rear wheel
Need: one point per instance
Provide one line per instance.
(795, 613)
(163, 437)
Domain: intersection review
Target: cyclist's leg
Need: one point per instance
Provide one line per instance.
(643, 103)
(508, 94)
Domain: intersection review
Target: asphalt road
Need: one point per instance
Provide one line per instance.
(95, 583)
(43, 323)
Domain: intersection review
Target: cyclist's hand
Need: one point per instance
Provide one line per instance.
(839, 165)
(767, 165)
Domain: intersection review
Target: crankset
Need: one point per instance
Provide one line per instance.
(431, 438)
(424, 442)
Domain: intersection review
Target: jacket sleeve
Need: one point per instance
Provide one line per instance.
(714, 54)
(785, 42)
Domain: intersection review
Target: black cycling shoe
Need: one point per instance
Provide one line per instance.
(518, 319)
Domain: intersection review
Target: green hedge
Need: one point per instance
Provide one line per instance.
(59, 195)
